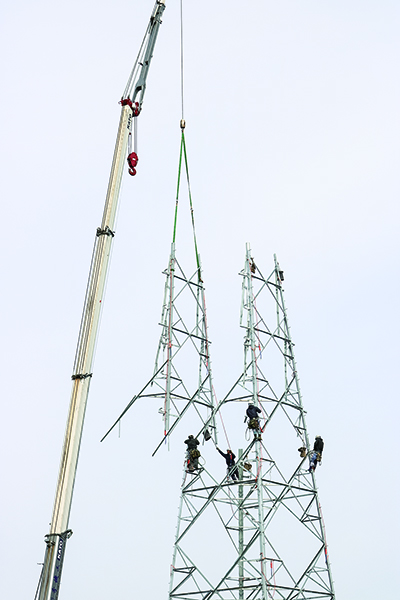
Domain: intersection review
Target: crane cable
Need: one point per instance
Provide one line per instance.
(181, 15)
(183, 155)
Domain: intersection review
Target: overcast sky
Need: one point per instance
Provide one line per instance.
(293, 140)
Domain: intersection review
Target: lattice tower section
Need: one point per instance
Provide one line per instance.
(262, 536)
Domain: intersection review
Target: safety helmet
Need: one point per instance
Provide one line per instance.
(317, 436)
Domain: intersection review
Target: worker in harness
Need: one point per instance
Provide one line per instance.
(192, 453)
(252, 413)
(230, 462)
(316, 454)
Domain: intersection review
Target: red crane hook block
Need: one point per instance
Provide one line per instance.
(132, 162)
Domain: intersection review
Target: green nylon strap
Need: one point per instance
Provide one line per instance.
(177, 191)
(183, 152)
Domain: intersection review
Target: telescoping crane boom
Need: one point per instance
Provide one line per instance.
(132, 99)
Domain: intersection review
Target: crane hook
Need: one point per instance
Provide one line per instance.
(132, 162)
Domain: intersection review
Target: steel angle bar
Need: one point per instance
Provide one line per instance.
(192, 335)
(279, 337)
(256, 295)
(190, 282)
(305, 577)
(131, 403)
(185, 558)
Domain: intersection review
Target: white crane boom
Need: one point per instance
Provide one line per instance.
(49, 584)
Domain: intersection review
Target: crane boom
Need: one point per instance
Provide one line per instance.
(49, 584)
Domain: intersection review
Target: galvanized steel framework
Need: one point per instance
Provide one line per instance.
(183, 341)
(262, 537)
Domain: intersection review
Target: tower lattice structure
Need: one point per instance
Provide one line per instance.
(261, 536)
(182, 377)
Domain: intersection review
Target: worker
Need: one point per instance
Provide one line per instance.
(252, 413)
(192, 453)
(230, 462)
(316, 454)
(318, 444)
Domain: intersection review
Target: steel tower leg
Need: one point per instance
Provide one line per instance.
(252, 345)
(240, 533)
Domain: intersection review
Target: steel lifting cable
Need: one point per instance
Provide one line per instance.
(183, 154)
(181, 15)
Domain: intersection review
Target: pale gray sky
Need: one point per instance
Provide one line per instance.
(293, 140)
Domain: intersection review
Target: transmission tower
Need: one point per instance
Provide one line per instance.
(182, 376)
(262, 536)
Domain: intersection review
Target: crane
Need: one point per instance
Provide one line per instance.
(131, 105)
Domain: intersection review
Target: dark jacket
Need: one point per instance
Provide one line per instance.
(192, 443)
(319, 445)
(229, 458)
(252, 412)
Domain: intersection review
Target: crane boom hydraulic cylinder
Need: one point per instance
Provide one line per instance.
(49, 584)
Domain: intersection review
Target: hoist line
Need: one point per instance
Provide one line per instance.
(184, 152)
(181, 12)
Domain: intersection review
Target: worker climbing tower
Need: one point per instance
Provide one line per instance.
(261, 536)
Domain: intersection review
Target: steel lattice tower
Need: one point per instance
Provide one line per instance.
(262, 537)
(182, 376)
